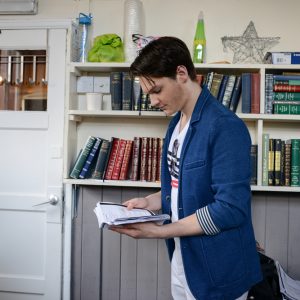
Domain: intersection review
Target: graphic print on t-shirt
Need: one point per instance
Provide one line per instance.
(174, 151)
(173, 163)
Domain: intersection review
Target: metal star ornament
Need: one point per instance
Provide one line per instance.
(249, 48)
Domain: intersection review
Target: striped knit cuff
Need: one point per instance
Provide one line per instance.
(206, 221)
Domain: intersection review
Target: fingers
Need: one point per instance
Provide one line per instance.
(135, 203)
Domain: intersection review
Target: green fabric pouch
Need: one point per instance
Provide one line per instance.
(107, 48)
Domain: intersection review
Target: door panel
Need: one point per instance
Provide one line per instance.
(30, 39)
(31, 175)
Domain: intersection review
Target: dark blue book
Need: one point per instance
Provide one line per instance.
(246, 93)
(90, 159)
(236, 94)
(116, 90)
(253, 157)
(222, 87)
(286, 77)
(126, 91)
(101, 160)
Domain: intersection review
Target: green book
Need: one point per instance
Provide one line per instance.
(265, 159)
(287, 82)
(82, 157)
(290, 96)
(286, 107)
(295, 163)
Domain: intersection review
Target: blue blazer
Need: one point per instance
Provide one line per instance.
(214, 176)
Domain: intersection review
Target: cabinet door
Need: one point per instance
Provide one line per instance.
(31, 174)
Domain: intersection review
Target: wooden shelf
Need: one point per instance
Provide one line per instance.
(158, 114)
(138, 184)
(119, 183)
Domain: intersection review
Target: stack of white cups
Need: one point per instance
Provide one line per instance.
(133, 23)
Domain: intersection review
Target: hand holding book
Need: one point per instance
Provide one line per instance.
(117, 214)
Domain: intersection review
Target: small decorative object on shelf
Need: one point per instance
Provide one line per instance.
(133, 24)
(84, 22)
(199, 41)
(249, 48)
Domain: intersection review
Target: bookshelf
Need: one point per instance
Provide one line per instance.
(81, 123)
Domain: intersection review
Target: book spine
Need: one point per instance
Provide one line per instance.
(116, 90)
(287, 96)
(154, 159)
(144, 159)
(295, 163)
(112, 157)
(101, 160)
(215, 85)
(223, 87)
(209, 79)
(253, 156)
(136, 94)
(286, 107)
(269, 94)
(159, 158)
(144, 103)
(255, 93)
(90, 159)
(228, 91)
(271, 162)
(277, 162)
(282, 163)
(126, 160)
(287, 163)
(246, 93)
(200, 79)
(286, 77)
(82, 157)
(118, 160)
(265, 159)
(126, 91)
(135, 163)
(150, 159)
(286, 88)
(236, 94)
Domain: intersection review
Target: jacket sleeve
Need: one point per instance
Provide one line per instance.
(230, 145)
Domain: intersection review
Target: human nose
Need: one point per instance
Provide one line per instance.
(154, 100)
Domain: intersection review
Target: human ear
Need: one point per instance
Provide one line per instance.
(182, 73)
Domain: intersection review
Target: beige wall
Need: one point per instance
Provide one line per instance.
(178, 18)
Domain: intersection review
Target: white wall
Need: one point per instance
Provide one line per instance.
(178, 18)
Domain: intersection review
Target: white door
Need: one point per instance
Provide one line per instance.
(31, 173)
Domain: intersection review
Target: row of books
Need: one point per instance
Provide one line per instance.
(126, 93)
(282, 93)
(229, 89)
(280, 162)
(119, 159)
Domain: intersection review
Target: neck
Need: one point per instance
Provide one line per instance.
(192, 94)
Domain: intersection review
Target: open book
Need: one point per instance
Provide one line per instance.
(109, 213)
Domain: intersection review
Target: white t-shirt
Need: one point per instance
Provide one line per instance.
(174, 150)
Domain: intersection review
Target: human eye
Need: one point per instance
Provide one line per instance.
(156, 90)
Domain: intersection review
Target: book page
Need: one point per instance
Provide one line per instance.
(118, 214)
(113, 211)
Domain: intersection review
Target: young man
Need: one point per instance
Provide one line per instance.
(205, 181)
